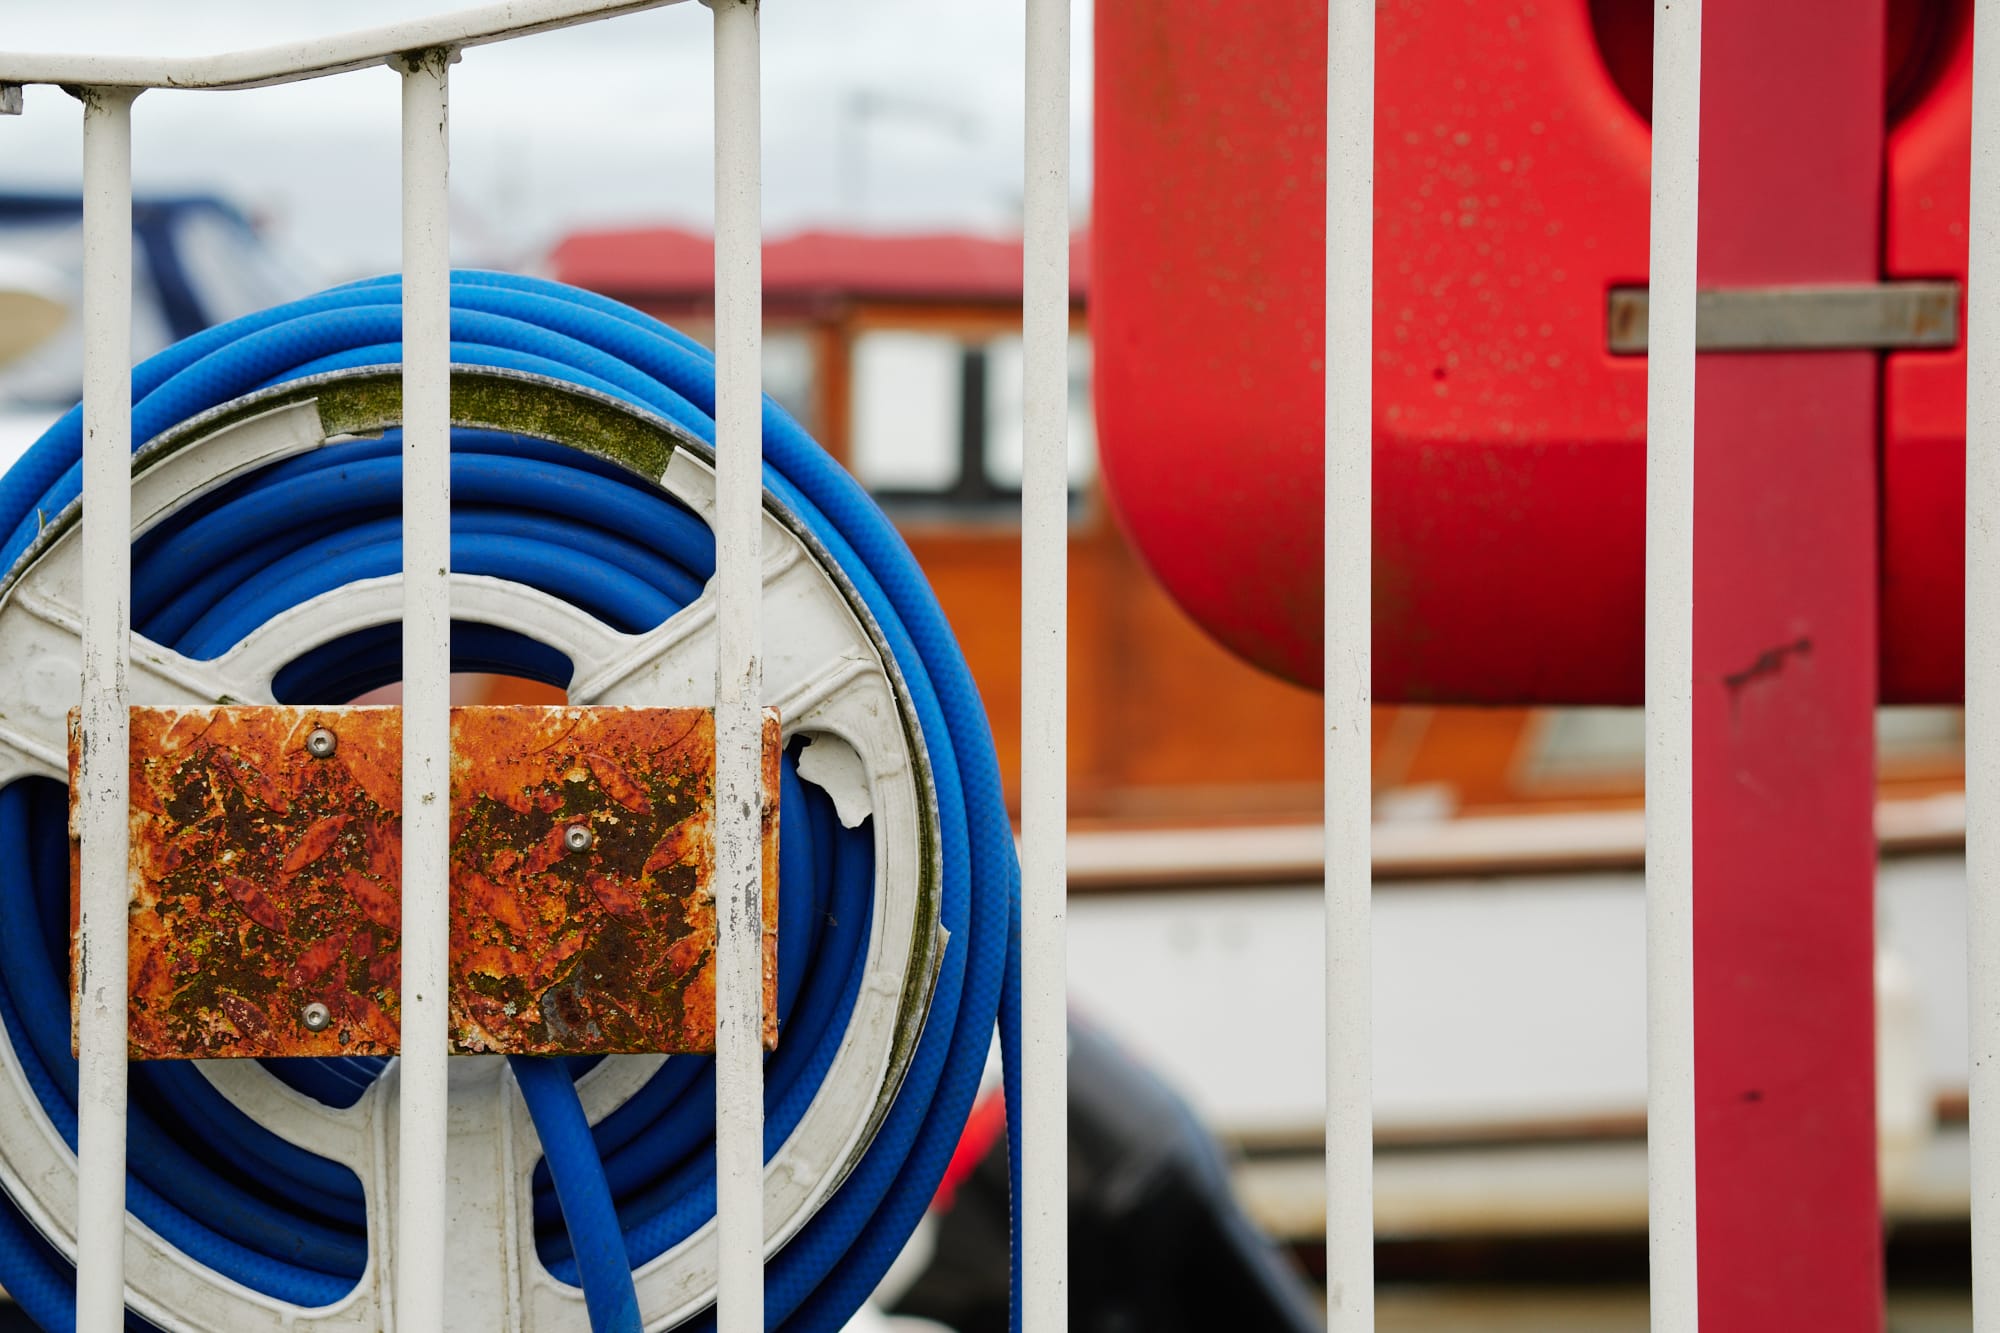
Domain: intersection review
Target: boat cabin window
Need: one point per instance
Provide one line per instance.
(936, 418)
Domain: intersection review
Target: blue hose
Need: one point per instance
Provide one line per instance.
(612, 1196)
(550, 1093)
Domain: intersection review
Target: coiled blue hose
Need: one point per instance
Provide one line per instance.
(238, 1199)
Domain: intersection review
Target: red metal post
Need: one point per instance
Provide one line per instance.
(1785, 683)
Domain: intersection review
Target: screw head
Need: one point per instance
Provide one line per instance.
(316, 1016)
(578, 837)
(322, 743)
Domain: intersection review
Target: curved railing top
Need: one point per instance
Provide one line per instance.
(312, 57)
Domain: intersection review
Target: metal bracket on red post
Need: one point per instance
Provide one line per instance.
(266, 874)
(1851, 316)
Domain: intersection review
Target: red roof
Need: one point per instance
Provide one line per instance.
(666, 263)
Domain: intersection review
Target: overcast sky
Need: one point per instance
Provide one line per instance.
(604, 124)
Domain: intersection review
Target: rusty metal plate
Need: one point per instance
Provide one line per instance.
(267, 863)
(582, 859)
(265, 880)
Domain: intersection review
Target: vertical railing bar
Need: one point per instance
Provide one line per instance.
(422, 1131)
(739, 489)
(102, 813)
(1670, 441)
(1982, 664)
(1350, 243)
(1045, 300)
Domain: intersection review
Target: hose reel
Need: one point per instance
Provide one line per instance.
(265, 551)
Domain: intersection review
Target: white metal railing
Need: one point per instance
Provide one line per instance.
(423, 51)
(1350, 442)
(1670, 1073)
(1669, 670)
(739, 489)
(109, 85)
(102, 818)
(1045, 673)
(1669, 664)
(1982, 665)
(423, 1083)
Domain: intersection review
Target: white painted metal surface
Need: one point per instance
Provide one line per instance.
(1045, 673)
(103, 778)
(739, 682)
(423, 1083)
(1982, 663)
(1350, 243)
(1670, 667)
(314, 58)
